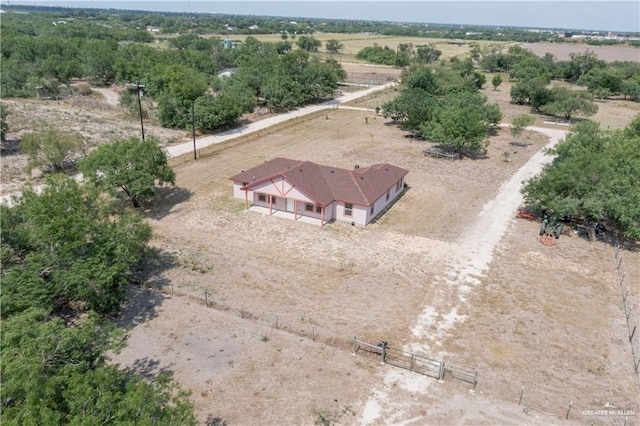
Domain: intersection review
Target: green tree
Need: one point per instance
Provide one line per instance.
(519, 123)
(533, 92)
(178, 87)
(567, 103)
(582, 63)
(530, 68)
(602, 82)
(130, 165)
(462, 121)
(411, 108)
(98, 58)
(475, 53)
(212, 113)
(4, 126)
(496, 81)
(378, 55)
(333, 46)
(61, 69)
(67, 247)
(308, 43)
(631, 88)
(57, 374)
(49, 148)
(427, 54)
(595, 176)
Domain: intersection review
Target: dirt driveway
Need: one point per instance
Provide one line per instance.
(444, 272)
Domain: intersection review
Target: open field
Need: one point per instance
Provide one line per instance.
(607, 53)
(353, 43)
(273, 285)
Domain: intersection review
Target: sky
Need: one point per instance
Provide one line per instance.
(565, 14)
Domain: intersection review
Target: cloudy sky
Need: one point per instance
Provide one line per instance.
(568, 14)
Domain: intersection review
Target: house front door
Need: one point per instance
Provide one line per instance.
(290, 205)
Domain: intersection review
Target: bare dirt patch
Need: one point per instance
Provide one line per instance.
(562, 52)
(294, 294)
(94, 117)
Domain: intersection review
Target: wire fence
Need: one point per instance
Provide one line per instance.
(631, 310)
(536, 402)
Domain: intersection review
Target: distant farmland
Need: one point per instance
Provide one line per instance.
(606, 53)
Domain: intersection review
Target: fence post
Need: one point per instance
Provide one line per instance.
(355, 345)
(521, 393)
(632, 333)
(441, 377)
(242, 310)
(276, 321)
(383, 353)
(567, 416)
(475, 382)
(411, 367)
(206, 301)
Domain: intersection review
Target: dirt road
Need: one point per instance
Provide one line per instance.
(469, 262)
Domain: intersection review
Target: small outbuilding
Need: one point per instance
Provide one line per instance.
(307, 189)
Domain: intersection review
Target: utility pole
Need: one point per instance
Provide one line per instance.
(140, 109)
(193, 128)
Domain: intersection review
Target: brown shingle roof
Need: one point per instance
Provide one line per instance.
(362, 186)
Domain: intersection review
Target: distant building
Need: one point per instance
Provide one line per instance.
(228, 72)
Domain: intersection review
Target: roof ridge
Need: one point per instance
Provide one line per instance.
(364, 196)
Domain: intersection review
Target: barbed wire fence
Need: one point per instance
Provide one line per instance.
(535, 401)
(631, 309)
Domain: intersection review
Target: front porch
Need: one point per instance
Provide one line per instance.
(287, 215)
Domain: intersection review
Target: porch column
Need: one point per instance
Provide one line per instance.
(295, 209)
(246, 199)
(321, 215)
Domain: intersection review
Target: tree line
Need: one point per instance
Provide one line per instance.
(279, 75)
(68, 254)
(594, 177)
(203, 23)
(532, 75)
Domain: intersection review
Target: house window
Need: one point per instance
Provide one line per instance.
(371, 210)
(398, 185)
(388, 195)
(274, 200)
(308, 207)
(318, 209)
(262, 197)
(348, 209)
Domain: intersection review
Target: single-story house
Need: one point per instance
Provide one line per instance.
(304, 188)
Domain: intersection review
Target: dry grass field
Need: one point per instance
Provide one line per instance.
(353, 43)
(562, 52)
(285, 298)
